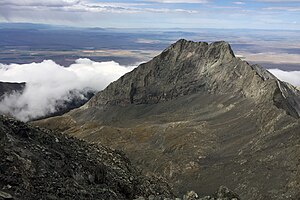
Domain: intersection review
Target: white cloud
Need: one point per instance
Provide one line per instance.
(239, 3)
(292, 77)
(278, 1)
(289, 9)
(51, 3)
(87, 6)
(66, 6)
(178, 1)
(49, 83)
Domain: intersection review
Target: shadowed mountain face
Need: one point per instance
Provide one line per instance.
(9, 88)
(76, 99)
(202, 118)
(10, 91)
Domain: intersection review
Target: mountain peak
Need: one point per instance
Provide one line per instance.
(218, 47)
(188, 67)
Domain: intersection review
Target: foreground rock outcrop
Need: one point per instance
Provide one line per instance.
(40, 164)
(201, 118)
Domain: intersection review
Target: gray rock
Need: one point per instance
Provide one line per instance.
(39, 167)
(188, 67)
(191, 196)
(4, 195)
(225, 194)
(140, 198)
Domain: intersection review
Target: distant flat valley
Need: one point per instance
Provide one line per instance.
(133, 46)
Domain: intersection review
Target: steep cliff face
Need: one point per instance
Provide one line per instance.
(189, 67)
(202, 118)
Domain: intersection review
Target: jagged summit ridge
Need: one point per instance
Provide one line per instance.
(176, 71)
(214, 47)
(188, 67)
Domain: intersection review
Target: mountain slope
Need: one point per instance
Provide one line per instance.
(189, 67)
(202, 118)
(40, 164)
(9, 88)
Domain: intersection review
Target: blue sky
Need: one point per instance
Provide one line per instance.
(256, 14)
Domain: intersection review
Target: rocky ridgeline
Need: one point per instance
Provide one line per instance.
(188, 67)
(37, 163)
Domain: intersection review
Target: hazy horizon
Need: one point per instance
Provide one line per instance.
(253, 14)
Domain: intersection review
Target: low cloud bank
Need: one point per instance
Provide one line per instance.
(49, 84)
(292, 77)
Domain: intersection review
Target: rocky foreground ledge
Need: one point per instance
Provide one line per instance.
(223, 193)
(37, 163)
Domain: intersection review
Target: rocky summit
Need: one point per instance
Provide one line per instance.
(201, 118)
(189, 67)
